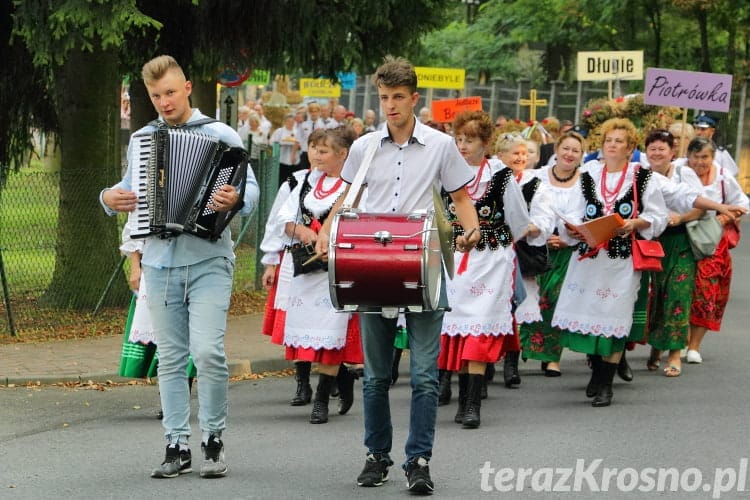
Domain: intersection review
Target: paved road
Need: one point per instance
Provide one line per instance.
(82, 443)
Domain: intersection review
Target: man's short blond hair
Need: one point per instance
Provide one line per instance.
(157, 67)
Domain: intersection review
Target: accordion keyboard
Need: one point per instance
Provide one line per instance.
(138, 218)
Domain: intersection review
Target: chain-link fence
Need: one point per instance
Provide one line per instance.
(29, 216)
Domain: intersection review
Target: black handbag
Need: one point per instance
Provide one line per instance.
(533, 260)
(303, 253)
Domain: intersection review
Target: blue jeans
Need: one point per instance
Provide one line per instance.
(188, 307)
(378, 334)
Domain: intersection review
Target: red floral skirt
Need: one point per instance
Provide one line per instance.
(711, 293)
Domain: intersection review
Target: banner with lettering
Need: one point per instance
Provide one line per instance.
(688, 89)
(445, 110)
(610, 65)
(318, 87)
(440, 78)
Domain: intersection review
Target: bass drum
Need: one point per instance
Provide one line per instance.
(378, 261)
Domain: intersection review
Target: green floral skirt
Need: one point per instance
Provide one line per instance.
(671, 294)
(540, 340)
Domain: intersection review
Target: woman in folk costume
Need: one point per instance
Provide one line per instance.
(539, 339)
(277, 277)
(595, 307)
(480, 322)
(511, 149)
(313, 330)
(714, 273)
(672, 288)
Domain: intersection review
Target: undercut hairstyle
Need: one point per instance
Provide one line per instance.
(396, 72)
(157, 67)
(474, 124)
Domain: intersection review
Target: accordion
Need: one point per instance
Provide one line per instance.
(175, 173)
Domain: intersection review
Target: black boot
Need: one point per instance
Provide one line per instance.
(510, 369)
(319, 413)
(595, 361)
(623, 369)
(463, 395)
(604, 395)
(445, 387)
(345, 380)
(474, 402)
(489, 373)
(396, 361)
(304, 390)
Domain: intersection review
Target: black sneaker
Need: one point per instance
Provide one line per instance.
(175, 462)
(375, 472)
(418, 477)
(213, 464)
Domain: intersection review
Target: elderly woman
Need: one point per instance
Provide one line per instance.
(595, 307)
(714, 273)
(512, 150)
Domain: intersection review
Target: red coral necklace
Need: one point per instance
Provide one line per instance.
(321, 193)
(472, 188)
(608, 196)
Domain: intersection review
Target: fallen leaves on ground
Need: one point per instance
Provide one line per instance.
(36, 324)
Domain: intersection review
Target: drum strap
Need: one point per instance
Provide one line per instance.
(356, 186)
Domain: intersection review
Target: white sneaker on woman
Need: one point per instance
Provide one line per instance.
(694, 357)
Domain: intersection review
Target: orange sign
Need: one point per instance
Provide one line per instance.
(445, 110)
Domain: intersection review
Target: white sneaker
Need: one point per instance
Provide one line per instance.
(694, 357)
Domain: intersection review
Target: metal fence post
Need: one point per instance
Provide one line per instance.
(6, 296)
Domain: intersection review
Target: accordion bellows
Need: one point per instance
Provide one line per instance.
(175, 173)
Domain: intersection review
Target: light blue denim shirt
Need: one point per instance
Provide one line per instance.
(186, 249)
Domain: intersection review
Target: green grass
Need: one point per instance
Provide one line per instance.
(28, 227)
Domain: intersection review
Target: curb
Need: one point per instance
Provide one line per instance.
(237, 367)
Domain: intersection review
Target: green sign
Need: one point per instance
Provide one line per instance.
(259, 77)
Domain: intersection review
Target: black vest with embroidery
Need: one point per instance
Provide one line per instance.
(529, 190)
(307, 215)
(493, 230)
(618, 247)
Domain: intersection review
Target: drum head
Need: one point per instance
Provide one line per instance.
(445, 234)
(432, 275)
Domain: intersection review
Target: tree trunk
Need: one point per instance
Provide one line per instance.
(141, 109)
(87, 87)
(204, 96)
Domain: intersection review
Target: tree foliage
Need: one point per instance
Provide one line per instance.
(697, 35)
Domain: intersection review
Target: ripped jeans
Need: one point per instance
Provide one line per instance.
(188, 307)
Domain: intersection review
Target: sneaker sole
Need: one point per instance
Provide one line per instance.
(161, 475)
(213, 475)
(371, 485)
(420, 487)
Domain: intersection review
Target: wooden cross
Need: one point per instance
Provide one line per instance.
(532, 102)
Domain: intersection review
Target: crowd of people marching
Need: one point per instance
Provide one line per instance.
(531, 280)
(533, 286)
